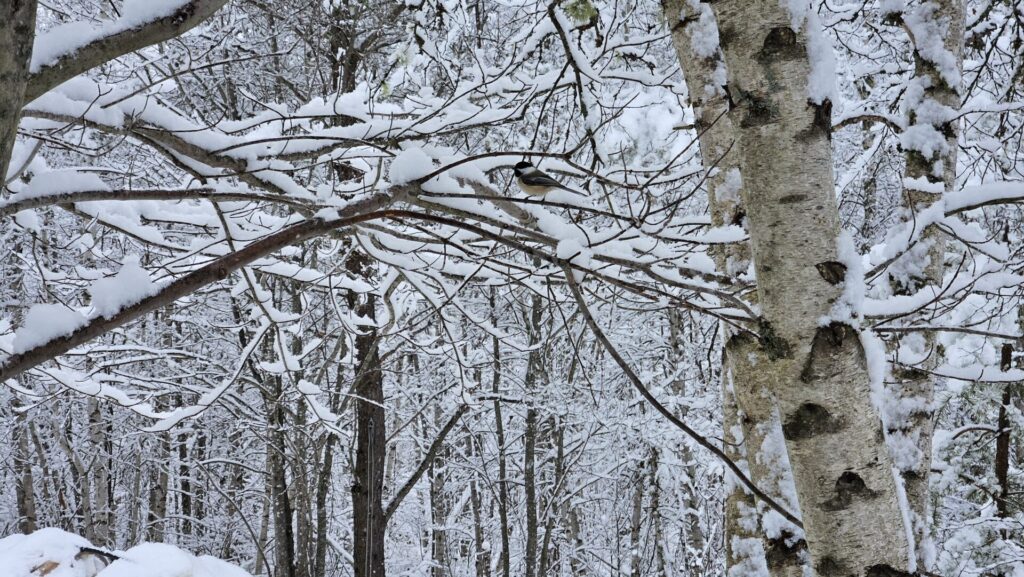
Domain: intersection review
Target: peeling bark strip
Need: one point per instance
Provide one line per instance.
(818, 375)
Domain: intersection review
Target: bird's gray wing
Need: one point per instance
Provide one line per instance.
(538, 178)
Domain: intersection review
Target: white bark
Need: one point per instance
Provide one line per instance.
(748, 409)
(915, 387)
(818, 374)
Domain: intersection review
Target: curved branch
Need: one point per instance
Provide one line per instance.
(425, 463)
(646, 394)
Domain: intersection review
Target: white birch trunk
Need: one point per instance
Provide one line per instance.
(818, 374)
(913, 429)
(748, 409)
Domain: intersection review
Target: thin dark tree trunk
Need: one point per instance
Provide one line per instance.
(499, 431)
(17, 32)
(533, 370)
(368, 487)
(1002, 462)
(281, 508)
(25, 483)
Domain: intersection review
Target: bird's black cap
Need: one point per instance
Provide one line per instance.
(523, 164)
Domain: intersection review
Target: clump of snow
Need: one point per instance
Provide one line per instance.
(130, 285)
(21, 554)
(729, 189)
(28, 220)
(821, 82)
(45, 322)
(750, 557)
(928, 27)
(570, 249)
(62, 181)
(411, 164)
(849, 305)
(704, 32)
(160, 560)
(886, 7)
(60, 553)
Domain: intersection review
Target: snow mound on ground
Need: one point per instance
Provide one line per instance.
(55, 553)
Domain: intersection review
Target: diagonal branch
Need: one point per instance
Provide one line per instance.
(646, 394)
(368, 208)
(108, 47)
(425, 463)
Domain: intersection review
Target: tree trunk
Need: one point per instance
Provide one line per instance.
(818, 374)
(17, 33)
(368, 486)
(280, 503)
(100, 469)
(533, 369)
(915, 387)
(24, 479)
(159, 480)
(482, 552)
(499, 432)
(439, 506)
(748, 408)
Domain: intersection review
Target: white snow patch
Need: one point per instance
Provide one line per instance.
(130, 285)
(68, 38)
(409, 165)
(22, 555)
(43, 323)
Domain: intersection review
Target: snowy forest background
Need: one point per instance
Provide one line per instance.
(269, 293)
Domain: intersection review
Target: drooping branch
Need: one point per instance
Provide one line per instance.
(647, 395)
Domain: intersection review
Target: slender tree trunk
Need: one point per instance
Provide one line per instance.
(83, 481)
(280, 503)
(481, 553)
(184, 491)
(934, 88)
(499, 432)
(533, 374)
(158, 484)
(17, 32)
(660, 565)
(439, 506)
(368, 486)
(1002, 461)
(100, 470)
(636, 519)
(818, 374)
(24, 479)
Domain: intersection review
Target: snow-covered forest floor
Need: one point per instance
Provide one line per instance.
(273, 303)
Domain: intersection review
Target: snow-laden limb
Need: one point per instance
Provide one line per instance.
(51, 551)
(980, 195)
(71, 49)
(186, 285)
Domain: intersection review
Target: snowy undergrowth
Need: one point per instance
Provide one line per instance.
(56, 553)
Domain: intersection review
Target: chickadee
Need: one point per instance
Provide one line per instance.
(536, 182)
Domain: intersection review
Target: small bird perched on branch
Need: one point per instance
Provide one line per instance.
(535, 182)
